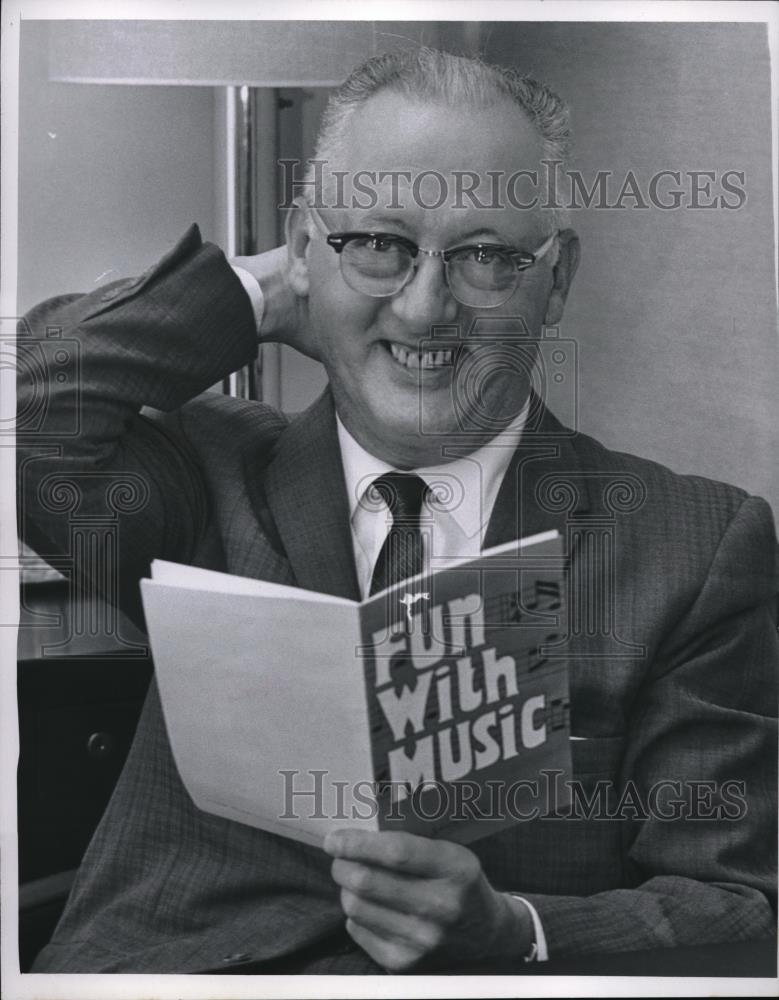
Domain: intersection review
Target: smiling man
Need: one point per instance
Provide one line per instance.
(394, 298)
(372, 325)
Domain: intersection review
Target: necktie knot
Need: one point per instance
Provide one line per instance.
(403, 493)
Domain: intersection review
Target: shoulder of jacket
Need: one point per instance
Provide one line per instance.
(669, 494)
(214, 419)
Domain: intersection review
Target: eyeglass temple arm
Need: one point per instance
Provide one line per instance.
(545, 246)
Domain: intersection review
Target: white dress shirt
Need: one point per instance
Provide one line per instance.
(253, 290)
(455, 515)
(461, 499)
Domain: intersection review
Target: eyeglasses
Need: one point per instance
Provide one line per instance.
(480, 275)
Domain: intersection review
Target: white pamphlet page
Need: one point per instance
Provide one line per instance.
(248, 720)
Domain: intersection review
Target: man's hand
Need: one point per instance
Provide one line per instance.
(285, 316)
(411, 901)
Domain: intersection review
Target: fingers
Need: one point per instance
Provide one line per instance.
(433, 899)
(387, 923)
(285, 316)
(391, 954)
(408, 899)
(404, 853)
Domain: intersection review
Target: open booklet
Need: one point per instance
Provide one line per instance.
(431, 707)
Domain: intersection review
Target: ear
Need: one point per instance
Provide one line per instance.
(298, 242)
(564, 270)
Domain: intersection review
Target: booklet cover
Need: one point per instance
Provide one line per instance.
(431, 707)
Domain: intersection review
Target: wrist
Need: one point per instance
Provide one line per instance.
(515, 939)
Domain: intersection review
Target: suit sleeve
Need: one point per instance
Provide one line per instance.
(87, 365)
(706, 718)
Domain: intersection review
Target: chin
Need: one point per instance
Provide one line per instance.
(417, 446)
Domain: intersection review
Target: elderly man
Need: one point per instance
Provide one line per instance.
(678, 695)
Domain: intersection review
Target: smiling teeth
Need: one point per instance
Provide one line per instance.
(421, 359)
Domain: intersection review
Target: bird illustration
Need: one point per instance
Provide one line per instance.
(409, 600)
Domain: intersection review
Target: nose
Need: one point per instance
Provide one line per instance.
(426, 300)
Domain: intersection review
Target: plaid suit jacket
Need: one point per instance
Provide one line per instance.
(673, 650)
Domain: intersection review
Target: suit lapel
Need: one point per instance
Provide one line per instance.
(306, 495)
(541, 489)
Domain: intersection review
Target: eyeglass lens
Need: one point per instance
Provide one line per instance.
(381, 267)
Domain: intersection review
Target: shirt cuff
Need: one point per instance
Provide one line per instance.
(254, 292)
(540, 952)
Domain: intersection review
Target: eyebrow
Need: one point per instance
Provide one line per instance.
(483, 235)
(376, 222)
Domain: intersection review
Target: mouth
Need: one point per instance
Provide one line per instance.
(415, 360)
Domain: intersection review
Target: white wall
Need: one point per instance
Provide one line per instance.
(674, 312)
(109, 177)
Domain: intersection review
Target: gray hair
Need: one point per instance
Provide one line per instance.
(454, 80)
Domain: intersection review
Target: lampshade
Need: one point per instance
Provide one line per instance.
(223, 53)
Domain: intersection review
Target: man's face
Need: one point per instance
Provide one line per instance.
(398, 408)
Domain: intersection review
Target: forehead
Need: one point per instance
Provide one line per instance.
(418, 159)
(391, 129)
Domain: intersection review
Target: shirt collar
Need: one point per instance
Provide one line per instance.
(479, 474)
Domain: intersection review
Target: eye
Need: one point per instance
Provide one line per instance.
(381, 244)
(378, 243)
(485, 255)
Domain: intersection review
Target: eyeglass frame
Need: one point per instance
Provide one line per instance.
(339, 239)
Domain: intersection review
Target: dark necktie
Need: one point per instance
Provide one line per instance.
(401, 555)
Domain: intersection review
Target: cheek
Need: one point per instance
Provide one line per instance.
(328, 295)
(342, 323)
(537, 301)
(530, 301)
